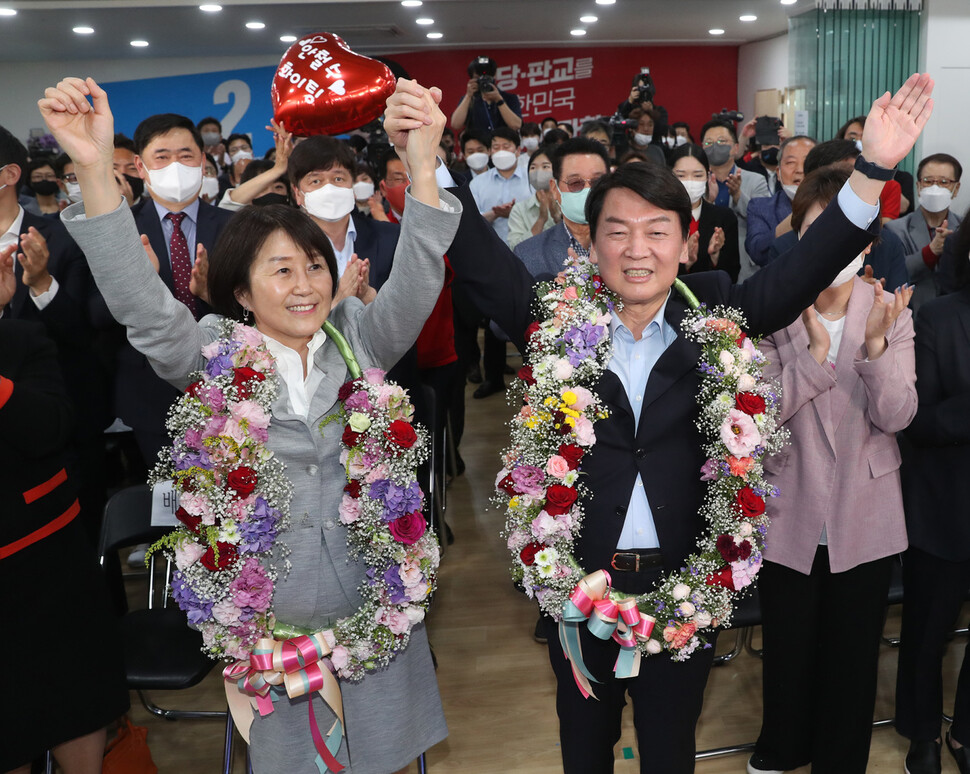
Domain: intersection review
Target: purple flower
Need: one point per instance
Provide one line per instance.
(581, 342)
(358, 401)
(197, 610)
(395, 586)
(710, 470)
(528, 479)
(218, 366)
(252, 587)
(258, 533)
(401, 499)
(186, 460)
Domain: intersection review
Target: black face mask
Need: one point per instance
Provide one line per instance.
(44, 187)
(271, 198)
(137, 186)
(770, 156)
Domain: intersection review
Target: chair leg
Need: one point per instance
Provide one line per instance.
(422, 764)
(724, 658)
(748, 640)
(48, 762)
(717, 752)
(170, 714)
(227, 749)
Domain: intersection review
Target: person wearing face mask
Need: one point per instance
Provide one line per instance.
(474, 150)
(393, 183)
(210, 130)
(66, 179)
(263, 182)
(499, 188)
(369, 200)
(924, 232)
(209, 193)
(43, 182)
(239, 152)
(124, 165)
(531, 136)
(713, 241)
(770, 217)
(540, 211)
(848, 377)
(643, 137)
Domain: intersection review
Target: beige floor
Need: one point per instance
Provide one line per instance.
(495, 681)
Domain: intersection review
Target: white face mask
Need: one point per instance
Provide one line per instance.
(936, 198)
(330, 202)
(176, 182)
(363, 190)
(695, 189)
(530, 143)
(73, 191)
(504, 160)
(241, 155)
(642, 139)
(790, 190)
(210, 187)
(849, 271)
(539, 179)
(477, 161)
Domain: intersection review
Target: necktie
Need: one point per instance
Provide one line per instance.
(178, 249)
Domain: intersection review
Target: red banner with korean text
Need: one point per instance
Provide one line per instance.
(576, 83)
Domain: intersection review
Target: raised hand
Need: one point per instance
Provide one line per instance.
(8, 281)
(406, 109)
(868, 276)
(284, 144)
(894, 123)
(942, 232)
(199, 279)
(715, 245)
(693, 243)
(818, 337)
(33, 259)
(85, 131)
(734, 185)
(882, 315)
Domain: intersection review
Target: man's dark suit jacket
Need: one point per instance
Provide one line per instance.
(936, 488)
(729, 260)
(377, 241)
(666, 450)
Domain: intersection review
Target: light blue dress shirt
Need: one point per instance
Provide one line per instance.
(490, 189)
(343, 256)
(188, 225)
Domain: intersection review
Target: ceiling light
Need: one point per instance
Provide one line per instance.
(411, 3)
(788, 2)
(424, 20)
(8, 12)
(605, 2)
(588, 19)
(288, 38)
(715, 32)
(139, 43)
(435, 35)
(578, 32)
(84, 30)
(254, 25)
(748, 17)
(210, 8)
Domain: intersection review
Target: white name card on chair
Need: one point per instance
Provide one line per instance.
(164, 504)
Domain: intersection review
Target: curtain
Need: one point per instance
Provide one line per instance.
(845, 53)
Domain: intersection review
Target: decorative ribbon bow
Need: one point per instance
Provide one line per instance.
(621, 621)
(299, 665)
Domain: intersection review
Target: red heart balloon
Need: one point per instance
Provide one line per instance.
(322, 87)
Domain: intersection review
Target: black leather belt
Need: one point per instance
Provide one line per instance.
(637, 561)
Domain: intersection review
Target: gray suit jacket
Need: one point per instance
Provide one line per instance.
(915, 235)
(322, 583)
(544, 255)
(753, 186)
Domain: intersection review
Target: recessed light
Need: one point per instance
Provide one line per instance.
(254, 25)
(84, 30)
(788, 2)
(578, 32)
(288, 38)
(139, 43)
(210, 8)
(424, 20)
(588, 19)
(435, 35)
(8, 12)
(605, 2)
(412, 3)
(715, 32)
(748, 17)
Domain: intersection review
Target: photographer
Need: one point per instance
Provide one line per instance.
(642, 96)
(485, 107)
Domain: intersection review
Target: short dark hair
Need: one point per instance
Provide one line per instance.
(840, 135)
(556, 136)
(574, 147)
(530, 129)
(163, 123)
(255, 168)
(320, 152)
(820, 187)
(633, 156)
(940, 158)
(59, 163)
(681, 125)
(238, 136)
(474, 134)
(651, 182)
(13, 151)
(542, 150)
(43, 161)
(506, 133)
(124, 142)
(549, 118)
(383, 160)
(209, 120)
(588, 127)
(241, 240)
(714, 124)
(482, 65)
(569, 127)
(689, 149)
(829, 152)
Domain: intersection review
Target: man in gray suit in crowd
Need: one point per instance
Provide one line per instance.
(576, 165)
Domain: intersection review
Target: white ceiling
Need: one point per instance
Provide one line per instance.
(42, 29)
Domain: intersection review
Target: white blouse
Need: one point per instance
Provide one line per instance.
(289, 365)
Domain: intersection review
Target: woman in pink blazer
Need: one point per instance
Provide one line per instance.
(848, 380)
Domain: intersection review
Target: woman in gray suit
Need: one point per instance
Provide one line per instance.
(284, 276)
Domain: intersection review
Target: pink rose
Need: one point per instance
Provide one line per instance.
(348, 510)
(740, 434)
(340, 658)
(584, 432)
(187, 553)
(194, 503)
(247, 335)
(570, 293)
(557, 466)
(374, 375)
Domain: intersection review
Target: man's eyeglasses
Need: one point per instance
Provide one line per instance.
(42, 177)
(943, 182)
(577, 184)
(722, 141)
(70, 177)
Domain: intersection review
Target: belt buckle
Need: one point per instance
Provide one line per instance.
(636, 561)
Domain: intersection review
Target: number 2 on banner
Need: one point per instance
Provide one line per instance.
(243, 96)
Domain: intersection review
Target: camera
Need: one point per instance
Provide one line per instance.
(766, 130)
(485, 83)
(483, 69)
(644, 85)
(728, 115)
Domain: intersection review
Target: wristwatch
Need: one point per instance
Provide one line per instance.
(499, 103)
(874, 171)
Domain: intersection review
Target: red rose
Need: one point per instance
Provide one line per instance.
(227, 555)
(353, 488)
(559, 499)
(242, 480)
(190, 521)
(193, 389)
(748, 504)
(728, 548)
(346, 389)
(525, 374)
(532, 329)
(401, 433)
(722, 577)
(528, 554)
(350, 439)
(408, 528)
(749, 403)
(572, 454)
(241, 378)
(507, 485)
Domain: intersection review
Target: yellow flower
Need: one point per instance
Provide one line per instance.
(569, 397)
(550, 401)
(531, 423)
(570, 421)
(569, 412)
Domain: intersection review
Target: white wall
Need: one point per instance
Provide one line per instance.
(944, 54)
(24, 84)
(761, 65)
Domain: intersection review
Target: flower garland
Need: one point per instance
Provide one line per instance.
(542, 489)
(234, 503)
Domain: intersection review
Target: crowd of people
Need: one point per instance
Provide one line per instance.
(119, 258)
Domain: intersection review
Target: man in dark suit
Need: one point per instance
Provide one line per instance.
(181, 230)
(644, 468)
